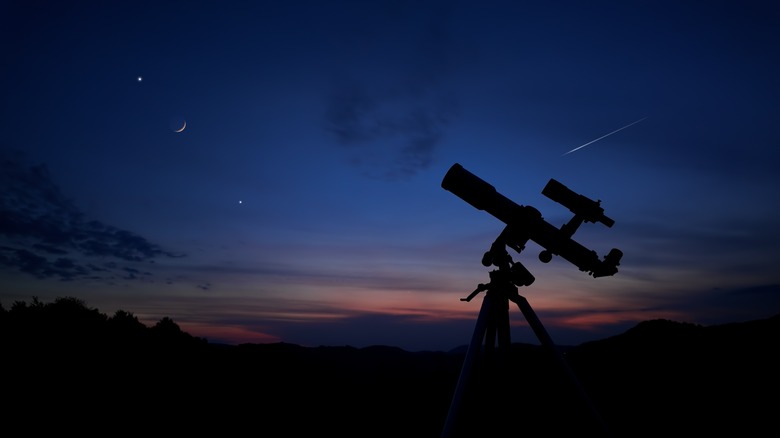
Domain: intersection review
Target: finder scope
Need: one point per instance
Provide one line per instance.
(588, 209)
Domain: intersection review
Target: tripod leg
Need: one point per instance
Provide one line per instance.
(498, 341)
(490, 332)
(502, 322)
(547, 342)
(474, 349)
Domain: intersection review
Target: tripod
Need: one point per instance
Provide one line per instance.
(493, 325)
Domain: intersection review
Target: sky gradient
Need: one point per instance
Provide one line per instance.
(303, 202)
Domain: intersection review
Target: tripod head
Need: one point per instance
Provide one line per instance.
(526, 223)
(498, 256)
(510, 274)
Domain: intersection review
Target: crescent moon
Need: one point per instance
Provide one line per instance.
(182, 127)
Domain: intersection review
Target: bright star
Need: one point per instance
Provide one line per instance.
(140, 78)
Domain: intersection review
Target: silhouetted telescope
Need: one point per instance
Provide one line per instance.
(525, 222)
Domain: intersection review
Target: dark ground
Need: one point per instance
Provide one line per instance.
(659, 378)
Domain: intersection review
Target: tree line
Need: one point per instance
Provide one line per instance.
(69, 322)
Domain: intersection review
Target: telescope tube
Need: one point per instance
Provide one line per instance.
(526, 222)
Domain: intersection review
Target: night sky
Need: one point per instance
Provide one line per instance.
(303, 203)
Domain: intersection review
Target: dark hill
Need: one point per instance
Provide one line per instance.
(663, 376)
(659, 378)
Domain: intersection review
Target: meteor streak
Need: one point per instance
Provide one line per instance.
(607, 135)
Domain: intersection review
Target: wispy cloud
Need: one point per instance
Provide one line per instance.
(44, 234)
(392, 124)
(389, 135)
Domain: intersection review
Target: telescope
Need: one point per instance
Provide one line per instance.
(524, 223)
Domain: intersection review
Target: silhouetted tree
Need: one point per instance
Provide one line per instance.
(22, 308)
(126, 322)
(126, 331)
(166, 327)
(168, 332)
(25, 321)
(69, 323)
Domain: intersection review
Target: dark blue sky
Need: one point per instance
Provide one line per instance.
(303, 201)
